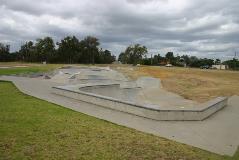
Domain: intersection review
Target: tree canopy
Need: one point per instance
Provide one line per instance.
(72, 50)
(69, 50)
(45, 49)
(4, 53)
(133, 54)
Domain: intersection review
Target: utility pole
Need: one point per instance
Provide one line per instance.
(151, 60)
(93, 57)
(235, 56)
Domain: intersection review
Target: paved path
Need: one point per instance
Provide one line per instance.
(219, 133)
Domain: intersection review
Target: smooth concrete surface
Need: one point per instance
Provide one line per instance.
(125, 100)
(150, 94)
(218, 133)
(76, 75)
(148, 82)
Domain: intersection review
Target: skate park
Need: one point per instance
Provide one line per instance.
(144, 97)
(142, 104)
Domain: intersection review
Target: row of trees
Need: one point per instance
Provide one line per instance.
(184, 60)
(135, 54)
(191, 61)
(72, 50)
(233, 64)
(68, 50)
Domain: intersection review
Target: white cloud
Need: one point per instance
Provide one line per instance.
(199, 27)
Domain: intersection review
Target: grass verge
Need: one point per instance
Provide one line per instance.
(27, 68)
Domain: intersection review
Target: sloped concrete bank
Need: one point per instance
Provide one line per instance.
(201, 112)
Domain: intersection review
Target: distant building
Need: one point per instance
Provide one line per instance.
(220, 66)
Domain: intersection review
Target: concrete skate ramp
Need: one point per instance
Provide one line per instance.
(142, 94)
(148, 82)
(131, 101)
(144, 97)
(113, 91)
(77, 75)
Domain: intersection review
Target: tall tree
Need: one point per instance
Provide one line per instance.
(135, 53)
(27, 52)
(122, 58)
(69, 49)
(157, 59)
(4, 52)
(90, 49)
(45, 49)
(170, 57)
(186, 59)
(105, 57)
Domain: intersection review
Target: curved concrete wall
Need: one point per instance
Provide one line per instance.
(203, 111)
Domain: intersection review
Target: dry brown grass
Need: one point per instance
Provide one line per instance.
(195, 84)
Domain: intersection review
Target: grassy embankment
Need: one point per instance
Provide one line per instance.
(195, 84)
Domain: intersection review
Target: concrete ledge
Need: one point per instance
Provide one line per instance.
(198, 113)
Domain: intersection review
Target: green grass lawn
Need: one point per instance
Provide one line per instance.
(35, 129)
(32, 68)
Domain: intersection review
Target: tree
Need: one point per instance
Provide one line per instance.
(105, 57)
(170, 57)
(45, 49)
(195, 62)
(233, 64)
(217, 61)
(122, 58)
(4, 53)
(90, 51)
(135, 53)
(4, 49)
(186, 59)
(27, 52)
(69, 50)
(157, 59)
